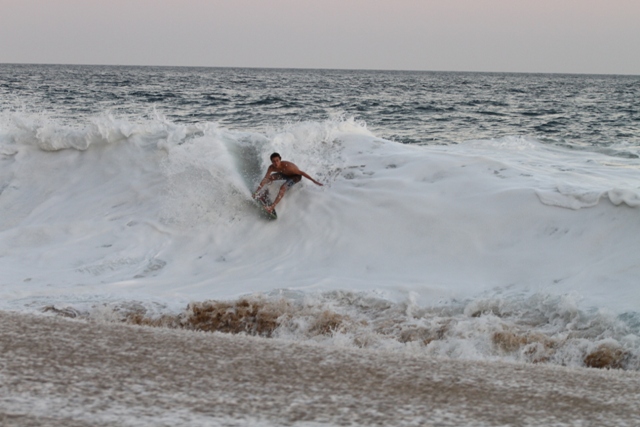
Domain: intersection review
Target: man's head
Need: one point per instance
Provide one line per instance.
(275, 159)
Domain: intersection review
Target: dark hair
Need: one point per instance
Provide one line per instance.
(275, 155)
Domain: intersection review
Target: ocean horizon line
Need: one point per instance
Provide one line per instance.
(284, 68)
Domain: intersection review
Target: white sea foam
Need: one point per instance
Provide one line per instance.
(161, 213)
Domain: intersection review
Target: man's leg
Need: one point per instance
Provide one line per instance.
(283, 189)
(290, 182)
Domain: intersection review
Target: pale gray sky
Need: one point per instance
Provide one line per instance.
(565, 36)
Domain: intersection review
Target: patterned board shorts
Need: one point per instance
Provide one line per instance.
(290, 180)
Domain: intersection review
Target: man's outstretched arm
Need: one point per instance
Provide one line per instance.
(309, 178)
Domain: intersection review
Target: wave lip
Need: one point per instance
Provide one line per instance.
(576, 198)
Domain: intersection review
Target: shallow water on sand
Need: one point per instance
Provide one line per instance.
(60, 372)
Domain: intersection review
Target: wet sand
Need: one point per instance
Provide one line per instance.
(61, 372)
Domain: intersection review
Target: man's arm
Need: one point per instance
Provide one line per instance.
(309, 178)
(263, 182)
(291, 169)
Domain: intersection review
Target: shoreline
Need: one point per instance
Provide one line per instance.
(58, 371)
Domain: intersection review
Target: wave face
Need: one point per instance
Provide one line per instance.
(504, 248)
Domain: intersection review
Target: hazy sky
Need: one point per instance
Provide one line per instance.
(566, 36)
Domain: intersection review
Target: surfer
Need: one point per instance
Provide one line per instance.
(282, 170)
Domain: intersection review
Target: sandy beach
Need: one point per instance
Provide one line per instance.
(61, 372)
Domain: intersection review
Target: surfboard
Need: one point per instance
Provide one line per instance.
(263, 201)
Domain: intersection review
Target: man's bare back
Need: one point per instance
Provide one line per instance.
(282, 170)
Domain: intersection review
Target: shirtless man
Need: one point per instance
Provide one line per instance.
(282, 170)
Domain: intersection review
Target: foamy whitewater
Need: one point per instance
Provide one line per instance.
(511, 247)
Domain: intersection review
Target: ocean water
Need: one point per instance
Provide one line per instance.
(464, 215)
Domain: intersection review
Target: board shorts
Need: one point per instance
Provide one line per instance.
(290, 180)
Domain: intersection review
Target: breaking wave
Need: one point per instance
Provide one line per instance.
(491, 249)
